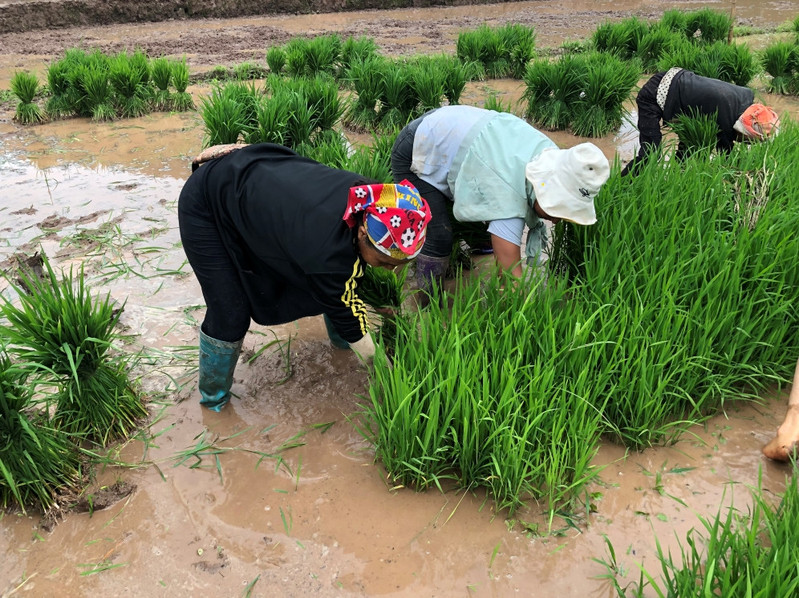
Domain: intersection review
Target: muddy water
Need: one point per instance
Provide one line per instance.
(325, 521)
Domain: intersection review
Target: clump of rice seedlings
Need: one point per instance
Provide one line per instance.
(373, 161)
(162, 77)
(674, 20)
(276, 59)
(127, 81)
(607, 82)
(708, 26)
(455, 75)
(330, 148)
(467, 50)
(36, 461)
(67, 335)
(321, 96)
(247, 71)
(272, 115)
(355, 49)
(734, 63)
(367, 79)
(729, 554)
(181, 100)
(697, 132)
(495, 103)
(98, 96)
(778, 60)
(309, 58)
(500, 52)
(25, 86)
(224, 117)
(382, 288)
(58, 104)
(654, 43)
(621, 39)
(427, 81)
(519, 41)
(397, 101)
(552, 88)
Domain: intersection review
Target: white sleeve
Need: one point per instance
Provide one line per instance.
(510, 229)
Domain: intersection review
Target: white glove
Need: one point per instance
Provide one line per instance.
(365, 348)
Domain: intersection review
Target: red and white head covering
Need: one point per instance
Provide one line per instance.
(395, 216)
(760, 121)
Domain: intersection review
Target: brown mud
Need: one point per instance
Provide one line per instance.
(326, 521)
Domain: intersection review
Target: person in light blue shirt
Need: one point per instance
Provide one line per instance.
(498, 169)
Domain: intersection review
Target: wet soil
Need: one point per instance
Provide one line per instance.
(218, 504)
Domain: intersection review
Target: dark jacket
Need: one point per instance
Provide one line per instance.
(689, 93)
(280, 218)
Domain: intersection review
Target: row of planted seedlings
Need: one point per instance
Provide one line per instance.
(732, 553)
(102, 87)
(64, 385)
(681, 297)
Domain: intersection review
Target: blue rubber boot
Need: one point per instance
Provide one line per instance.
(217, 363)
(338, 342)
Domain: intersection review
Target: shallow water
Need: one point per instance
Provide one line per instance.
(329, 524)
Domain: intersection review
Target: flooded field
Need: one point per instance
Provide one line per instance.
(203, 504)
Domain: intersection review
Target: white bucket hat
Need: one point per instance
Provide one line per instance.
(565, 181)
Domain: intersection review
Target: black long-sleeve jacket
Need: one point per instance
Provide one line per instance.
(280, 219)
(688, 93)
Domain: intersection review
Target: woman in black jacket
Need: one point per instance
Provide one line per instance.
(678, 91)
(273, 236)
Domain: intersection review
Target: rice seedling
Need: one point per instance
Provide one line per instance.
(272, 115)
(607, 83)
(366, 78)
(181, 101)
(373, 162)
(734, 63)
(674, 20)
(25, 86)
(708, 26)
(58, 105)
(621, 39)
(427, 81)
(162, 76)
(355, 49)
(495, 103)
(224, 117)
(127, 80)
(519, 41)
(66, 335)
(697, 132)
(654, 43)
(36, 461)
(551, 90)
(97, 92)
(729, 554)
(276, 59)
(397, 100)
(247, 71)
(455, 77)
(778, 61)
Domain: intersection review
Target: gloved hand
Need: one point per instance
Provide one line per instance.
(365, 348)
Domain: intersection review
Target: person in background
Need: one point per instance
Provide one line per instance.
(273, 236)
(678, 91)
(784, 444)
(496, 168)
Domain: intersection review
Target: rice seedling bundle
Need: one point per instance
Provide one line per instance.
(127, 80)
(25, 86)
(371, 162)
(734, 63)
(366, 78)
(654, 43)
(36, 461)
(708, 26)
(162, 77)
(355, 49)
(276, 59)
(552, 88)
(495, 103)
(519, 41)
(97, 92)
(427, 81)
(455, 77)
(58, 104)
(621, 39)
(65, 336)
(697, 132)
(330, 148)
(779, 61)
(606, 84)
(397, 102)
(182, 100)
(224, 117)
(272, 116)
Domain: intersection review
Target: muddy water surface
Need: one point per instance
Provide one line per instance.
(325, 521)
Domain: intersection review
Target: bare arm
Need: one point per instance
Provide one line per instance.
(508, 255)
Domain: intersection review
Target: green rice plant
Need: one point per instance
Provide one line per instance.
(607, 83)
(322, 98)
(778, 61)
(330, 148)
(734, 63)
(427, 81)
(373, 162)
(97, 90)
(674, 20)
(25, 86)
(182, 100)
(729, 554)
(276, 59)
(519, 41)
(367, 79)
(127, 81)
(247, 96)
(225, 119)
(246, 71)
(66, 335)
(272, 115)
(495, 103)
(309, 58)
(397, 101)
(355, 49)
(697, 132)
(162, 76)
(382, 288)
(58, 105)
(36, 461)
(551, 90)
(621, 39)
(654, 43)
(455, 76)
(708, 26)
